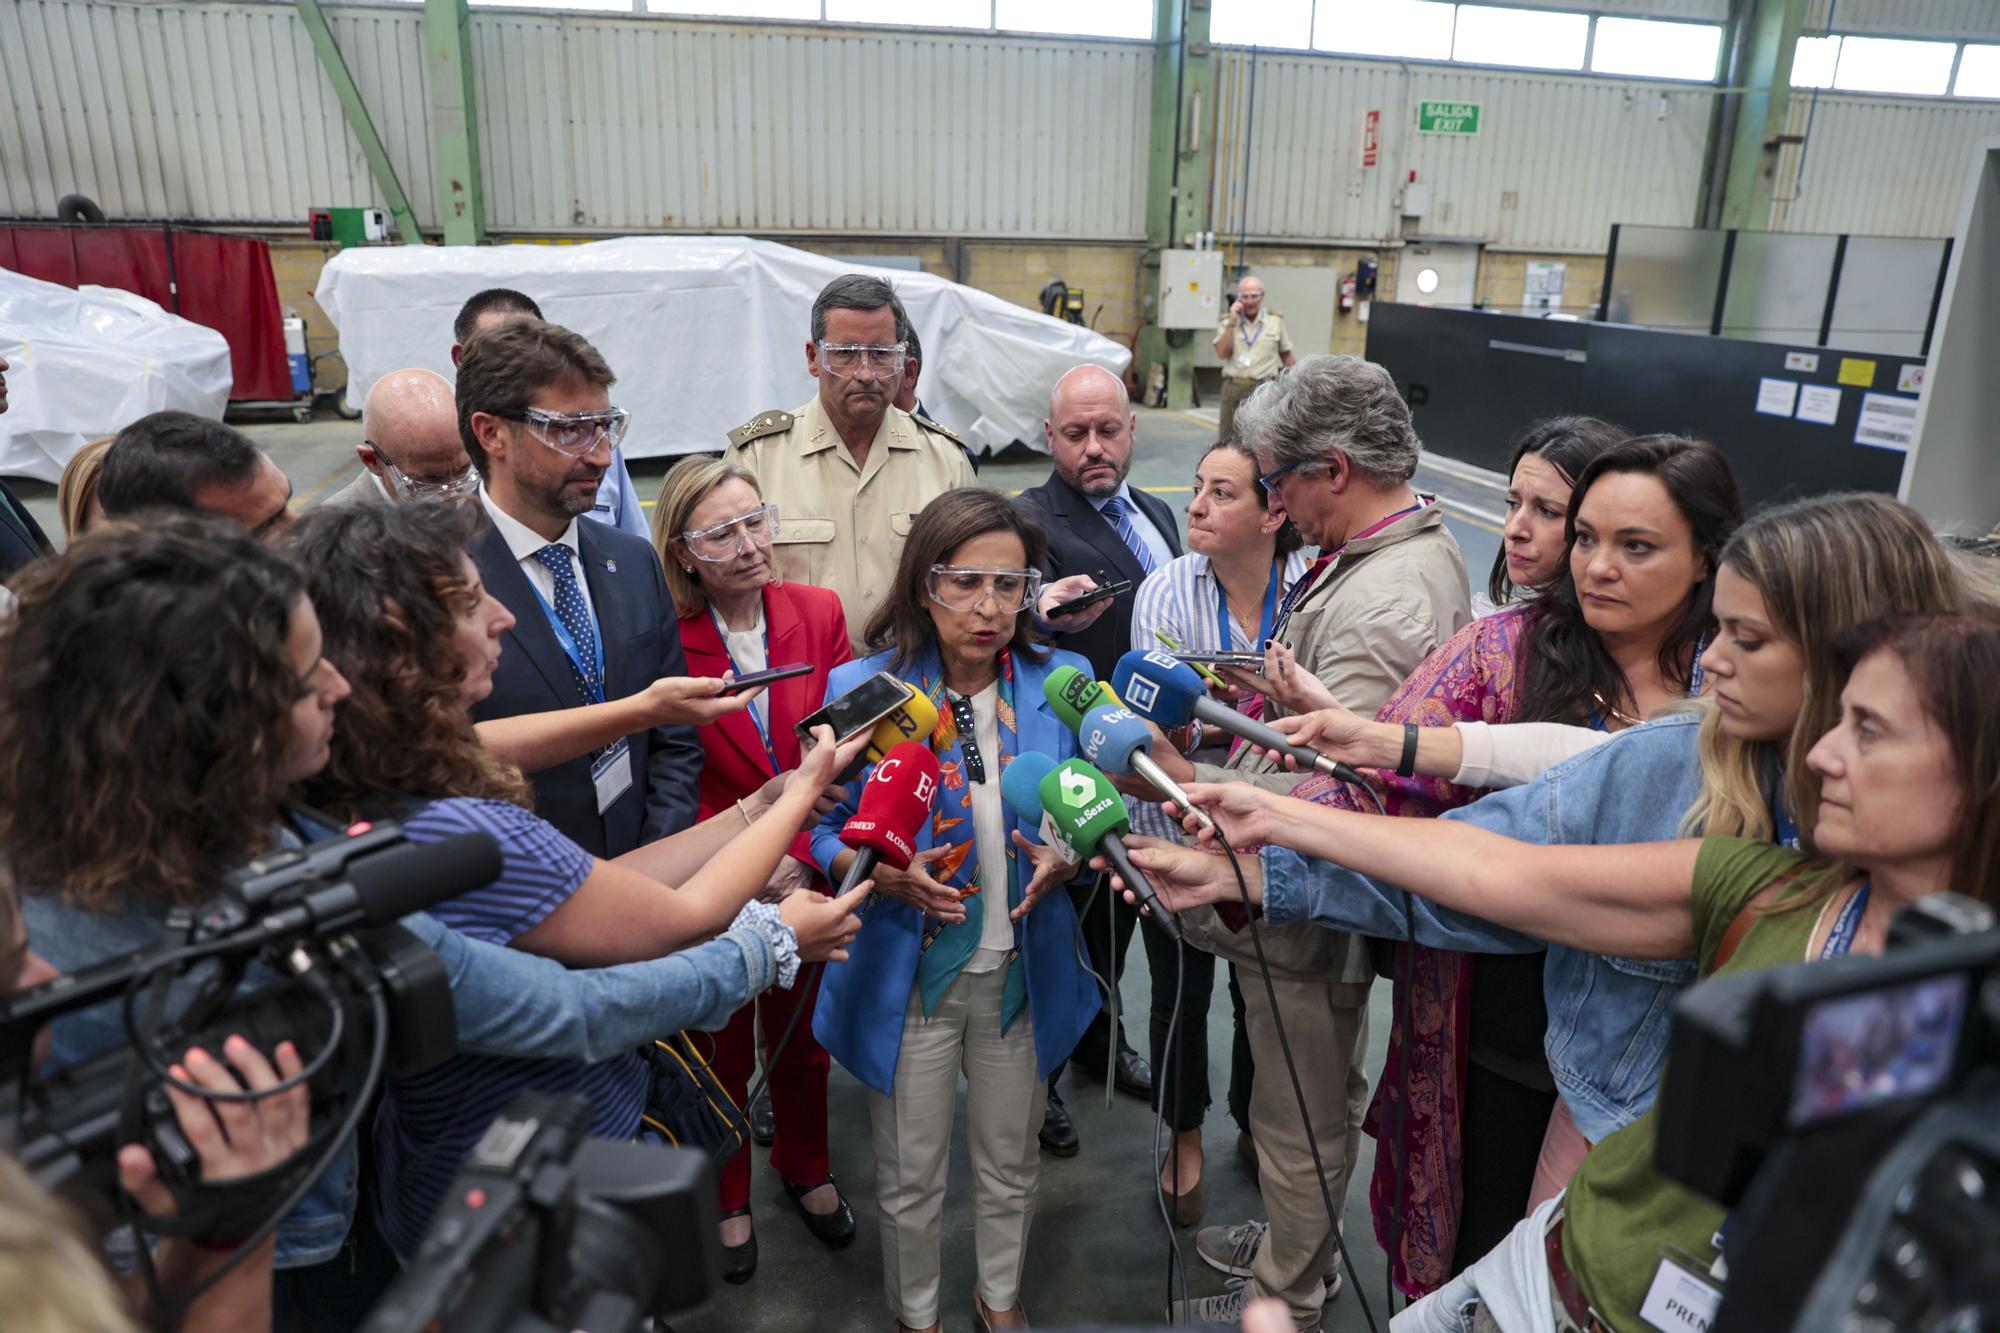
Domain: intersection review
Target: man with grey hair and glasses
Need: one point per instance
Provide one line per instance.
(410, 448)
(849, 471)
(1336, 450)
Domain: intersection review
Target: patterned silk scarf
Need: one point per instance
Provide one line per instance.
(947, 949)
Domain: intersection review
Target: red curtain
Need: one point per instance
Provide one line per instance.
(225, 283)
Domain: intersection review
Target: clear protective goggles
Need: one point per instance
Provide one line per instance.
(575, 434)
(958, 588)
(725, 541)
(850, 359)
(408, 487)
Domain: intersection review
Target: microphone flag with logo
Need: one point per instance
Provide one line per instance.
(895, 802)
(1088, 810)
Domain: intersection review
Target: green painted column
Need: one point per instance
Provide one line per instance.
(359, 121)
(1764, 78)
(1177, 156)
(455, 122)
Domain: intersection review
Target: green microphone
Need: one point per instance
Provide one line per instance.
(1088, 810)
(1072, 694)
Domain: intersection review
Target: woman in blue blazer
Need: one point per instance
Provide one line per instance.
(965, 961)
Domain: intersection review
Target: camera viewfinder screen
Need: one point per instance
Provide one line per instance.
(1889, 1045)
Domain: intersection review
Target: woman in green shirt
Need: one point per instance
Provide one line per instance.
(1909, 805)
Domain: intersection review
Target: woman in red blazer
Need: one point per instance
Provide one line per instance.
(714, 532)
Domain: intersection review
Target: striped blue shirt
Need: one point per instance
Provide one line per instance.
(1181, 599)
(428, 1122)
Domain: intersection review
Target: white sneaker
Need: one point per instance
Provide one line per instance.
(1223, 1311)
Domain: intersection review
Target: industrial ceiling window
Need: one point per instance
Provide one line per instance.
(737, 9)
(1099, 18)
(1978, 72)
(1526, 38)
(1411, 29)
(1850, 64)
(1656, 50)
(1262, 23)
(913, 13)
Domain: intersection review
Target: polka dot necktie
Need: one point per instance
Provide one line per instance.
(1120, 515)
(557, 558)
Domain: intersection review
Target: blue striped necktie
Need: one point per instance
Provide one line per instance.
(1120, 514)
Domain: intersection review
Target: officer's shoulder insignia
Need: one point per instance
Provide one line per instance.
(936, 429)
(757, 427)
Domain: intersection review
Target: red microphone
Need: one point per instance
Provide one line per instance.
(895, 802)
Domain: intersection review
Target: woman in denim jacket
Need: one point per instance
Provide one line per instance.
(1788, 583)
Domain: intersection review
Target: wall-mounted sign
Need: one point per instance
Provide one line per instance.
(1371, 139)
(1448, 117)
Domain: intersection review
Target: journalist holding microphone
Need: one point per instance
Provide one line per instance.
(714, 532)
(964, 961)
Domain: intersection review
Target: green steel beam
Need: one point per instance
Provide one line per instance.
(1764, 78)
(358, 120)
(1177, 196)
(454, 113)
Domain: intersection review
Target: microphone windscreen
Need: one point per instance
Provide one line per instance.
(411, 877)
(895, 802)
(1085, 806)
(1157, 687)
(1111, 736)
(914, 720)
(1021, 784)
(1069, 694)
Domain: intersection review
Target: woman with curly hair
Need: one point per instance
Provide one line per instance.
(418, 636)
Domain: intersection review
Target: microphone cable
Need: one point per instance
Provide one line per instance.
(1292, 1070)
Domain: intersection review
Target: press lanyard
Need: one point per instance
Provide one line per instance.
(594, 693)
(1331, 561)
(763, 728)
(1847, 924)
(1783, 829)
(1251, 338)
(1265, 624)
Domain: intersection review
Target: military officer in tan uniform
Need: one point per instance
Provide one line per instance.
(1254, 345)
(849, 471)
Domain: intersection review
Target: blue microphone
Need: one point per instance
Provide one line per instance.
(1021, 786)
(1166, 692)
(1117, 741)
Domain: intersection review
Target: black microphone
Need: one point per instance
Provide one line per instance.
(1165, 691)
(389, 885)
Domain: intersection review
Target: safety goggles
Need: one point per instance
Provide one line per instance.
(850, 359)
(726, 541)
(408, 487)
(957, 588)
(574, 434)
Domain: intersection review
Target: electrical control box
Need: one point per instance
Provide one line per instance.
(1190, 289)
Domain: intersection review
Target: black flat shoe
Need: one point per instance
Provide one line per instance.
(763, 1121)
(1058, 1135)
(739, 1262)
(1132, 1075)
(835, 1230)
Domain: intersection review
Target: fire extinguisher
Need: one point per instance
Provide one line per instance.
(1347, 294)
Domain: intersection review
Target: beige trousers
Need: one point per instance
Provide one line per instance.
(1004, 1104)
(1234, 391)
(1326, 1025)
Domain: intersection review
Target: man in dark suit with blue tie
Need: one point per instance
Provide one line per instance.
(1097, 524)
(593, 621)
(21, 538)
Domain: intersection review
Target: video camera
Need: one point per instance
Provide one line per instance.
(546, 1228)
(1848, 1112)
(302, 946)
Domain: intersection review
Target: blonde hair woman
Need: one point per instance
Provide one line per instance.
(76, 492)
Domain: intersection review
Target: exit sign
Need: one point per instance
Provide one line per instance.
(1447, 117)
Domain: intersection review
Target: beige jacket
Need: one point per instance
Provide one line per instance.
(841, 526)
(1387, 604)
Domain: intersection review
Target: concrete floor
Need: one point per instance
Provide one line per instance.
(1099, 1251)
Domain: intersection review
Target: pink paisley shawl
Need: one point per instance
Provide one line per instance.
(1471, 678)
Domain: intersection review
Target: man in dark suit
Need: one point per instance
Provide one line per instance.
(1097, 525)
(21, 538)
(593, 621)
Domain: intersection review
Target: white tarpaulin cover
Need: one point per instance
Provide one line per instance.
(704, 332)
(85, 362)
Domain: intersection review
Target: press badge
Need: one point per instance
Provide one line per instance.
(612, 772)
(1243, 358)
(1683, 1298)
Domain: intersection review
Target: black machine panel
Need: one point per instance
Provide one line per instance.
(1474, 379)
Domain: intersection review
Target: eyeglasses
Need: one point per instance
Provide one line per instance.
(725, 541)
(961, 589)
(408, 487)
(574, 433)
(1269, 481)
(850, 359)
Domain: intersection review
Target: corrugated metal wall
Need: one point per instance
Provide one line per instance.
(1556, 162)
(1914, 18)
(1879, 166)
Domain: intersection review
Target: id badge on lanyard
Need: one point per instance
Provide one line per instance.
(611, 768)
